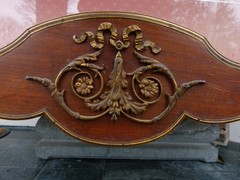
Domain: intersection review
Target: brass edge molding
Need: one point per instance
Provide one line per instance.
(181, 117)
(124, 15)
(23, 116)
(144, 141)
(78, 17)
(112, 14)
(59, 125)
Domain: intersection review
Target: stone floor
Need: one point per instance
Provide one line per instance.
(19, 162)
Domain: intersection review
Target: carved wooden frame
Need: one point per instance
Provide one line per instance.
(171, 69)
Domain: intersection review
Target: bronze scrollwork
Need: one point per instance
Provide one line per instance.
(117, 101)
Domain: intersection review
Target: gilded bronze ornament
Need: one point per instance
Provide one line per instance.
(97, 42)
(83, 85)
(148, 87)
(117, 101)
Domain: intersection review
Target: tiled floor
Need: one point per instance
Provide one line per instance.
(18, 161)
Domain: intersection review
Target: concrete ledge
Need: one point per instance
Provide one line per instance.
(155, 151)
(189, 141)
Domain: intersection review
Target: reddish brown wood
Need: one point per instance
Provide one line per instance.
(47, 51)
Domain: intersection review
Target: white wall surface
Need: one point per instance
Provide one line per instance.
(234, 132)
(29, 122)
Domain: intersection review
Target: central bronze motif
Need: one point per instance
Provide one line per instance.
(117, 101)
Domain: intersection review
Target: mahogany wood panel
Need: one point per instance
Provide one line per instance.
(142, 92)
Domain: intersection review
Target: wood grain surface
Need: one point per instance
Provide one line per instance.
(44, 50)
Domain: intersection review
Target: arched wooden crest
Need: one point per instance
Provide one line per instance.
(116, 78)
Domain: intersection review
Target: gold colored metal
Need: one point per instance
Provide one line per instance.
(116, 15)
(116, 101)
(154, 65)
(97, 42)
(157, 91)
(84, 85)
(148, 88)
